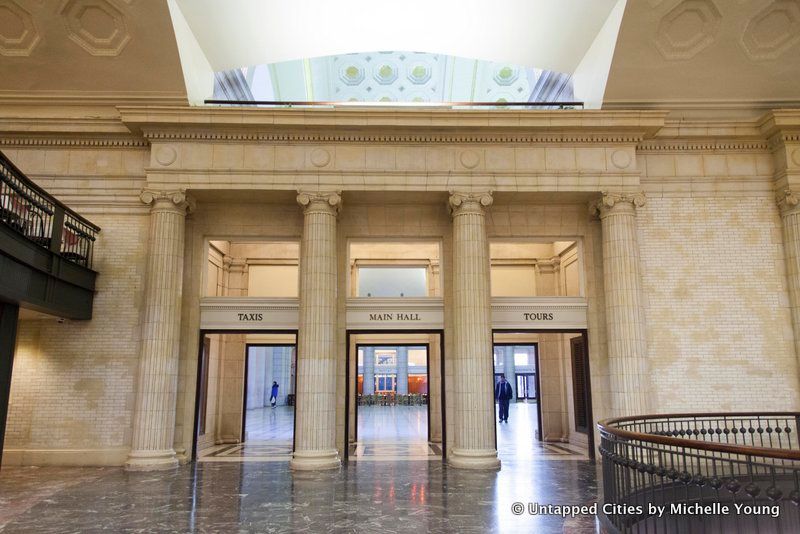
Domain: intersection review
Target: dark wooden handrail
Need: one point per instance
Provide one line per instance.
(606, 426)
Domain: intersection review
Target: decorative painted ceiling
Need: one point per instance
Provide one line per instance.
(415, 77)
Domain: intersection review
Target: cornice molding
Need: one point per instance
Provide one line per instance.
(389, 124)
(702, 145)
(122, 142)
(395, 137)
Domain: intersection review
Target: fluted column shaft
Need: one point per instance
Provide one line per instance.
(474, 440)
(315, 419)
(627, 347)
(154, 416)
(402, 370)
(789, 205)
(368, 385)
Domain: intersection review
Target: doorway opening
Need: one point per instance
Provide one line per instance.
(549, 412)
(395, 396)
(237, 374)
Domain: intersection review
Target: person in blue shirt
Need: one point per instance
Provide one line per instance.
(503, 394)
(273, 398)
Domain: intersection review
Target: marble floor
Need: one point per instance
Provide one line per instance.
(238, 490)
(364, 497)
(516, 439)
(393, 423)
(269, 424)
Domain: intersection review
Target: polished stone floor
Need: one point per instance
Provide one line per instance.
(250, 488)
(392, 424)
(364, 497)
(269, 424)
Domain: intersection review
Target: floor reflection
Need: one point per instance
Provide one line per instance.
(381, 497)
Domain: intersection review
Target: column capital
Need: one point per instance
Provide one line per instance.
(787, 201)
(471, 202)
(614, 202)
(325, 201)
(176, 200)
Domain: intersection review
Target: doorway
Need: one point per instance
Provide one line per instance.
(395, 396)
(550, 410)
(235, 418)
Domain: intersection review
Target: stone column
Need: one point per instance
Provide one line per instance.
(369, 371)
(474, 440)
(510, 369)
(627, 347)
(315, 416)
(157, 385)
(789, 205)
(402, 370)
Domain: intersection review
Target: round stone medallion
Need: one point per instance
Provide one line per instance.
(166, 155)
(796, 156)
(320, 157)
(621, 159)
(470, 159)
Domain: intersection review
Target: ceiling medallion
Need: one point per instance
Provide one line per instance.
(18, 33)
(773, 31)
(688, 29)
(97, 26)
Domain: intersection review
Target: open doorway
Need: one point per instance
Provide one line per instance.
(269, 394)
(235, 418)
(549, 412)
(395, 395)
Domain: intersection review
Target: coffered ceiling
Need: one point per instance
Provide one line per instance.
(699, 56)
(691, 56)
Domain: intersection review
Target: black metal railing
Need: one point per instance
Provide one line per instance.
(716, 472)
(313, 103)
(33, 212)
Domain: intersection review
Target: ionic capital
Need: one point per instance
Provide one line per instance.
(474, 202)
(787, 201)
(611, 203)
(177, 201)
(322, 201)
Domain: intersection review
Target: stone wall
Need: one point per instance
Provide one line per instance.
(718, 322)
(73, 383)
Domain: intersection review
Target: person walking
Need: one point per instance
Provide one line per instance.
(273, 397)
(503, 393)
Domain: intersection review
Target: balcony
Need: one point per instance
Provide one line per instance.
(45, 249)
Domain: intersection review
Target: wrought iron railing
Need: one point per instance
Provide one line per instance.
(33, 212)
(717, 472)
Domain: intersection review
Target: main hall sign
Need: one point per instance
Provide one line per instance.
(395, 314)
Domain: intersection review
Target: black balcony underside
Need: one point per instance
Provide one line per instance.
(34, 277)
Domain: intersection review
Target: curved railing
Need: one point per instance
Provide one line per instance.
(711, 472)
(41, 218)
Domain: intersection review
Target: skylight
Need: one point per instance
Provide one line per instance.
(392, 77)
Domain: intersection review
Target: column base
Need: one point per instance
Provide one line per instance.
(151, 460)
(315, 460)
(474, 459)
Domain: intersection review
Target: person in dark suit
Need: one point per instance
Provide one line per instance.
(503, 394)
